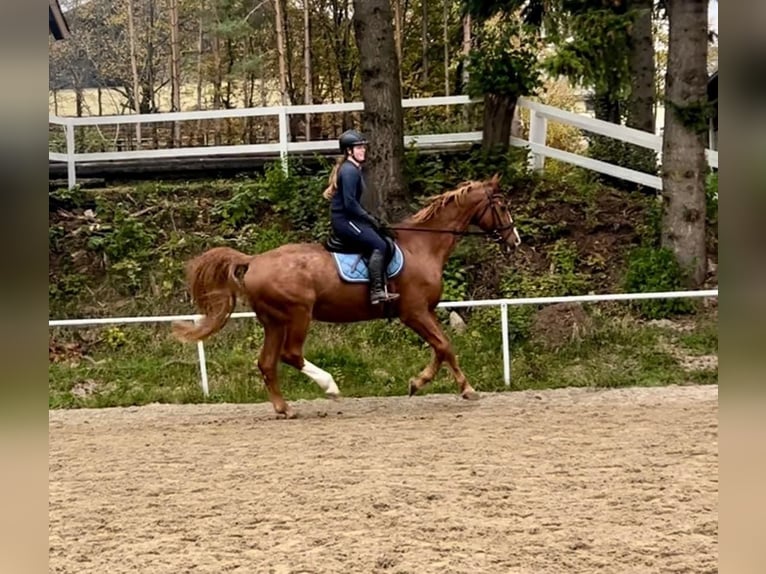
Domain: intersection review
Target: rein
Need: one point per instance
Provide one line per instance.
(451, 231)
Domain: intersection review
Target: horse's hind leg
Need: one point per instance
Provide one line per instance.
(292, 354)
(268, 362)
(427, 326)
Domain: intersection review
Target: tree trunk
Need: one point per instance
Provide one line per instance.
(307, 63)
(248, 89)
(149, 97)
(134, 70)
(200, 135)
(281, 53)
(498, 116)
(175, 69)
(684, 167)
(424, 41)
(217, 88)
(78, 99)
(382, 119)
(446, 47)
(398, 34)
(640, 112)
(230, 60)
(463, 79)
(339, 37)
(641, 62)
(200, 46)
(466, 48)
(292, 92)
(606, 107)
(229, 101)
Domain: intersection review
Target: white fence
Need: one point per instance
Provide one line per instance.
(502, 303)
(540, 115)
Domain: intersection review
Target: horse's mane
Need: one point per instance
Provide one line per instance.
(437, 202)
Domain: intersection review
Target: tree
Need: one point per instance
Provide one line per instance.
(280, 26)
(382, 119)
(683, 166)
(641, 67)
(308, 98)
(641, 98)
(336, 30)
(503, 66)
(134, 69)
(175, 69)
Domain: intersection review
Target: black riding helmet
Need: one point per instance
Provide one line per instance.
(349, 139)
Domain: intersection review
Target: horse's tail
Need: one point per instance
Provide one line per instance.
(213, 279)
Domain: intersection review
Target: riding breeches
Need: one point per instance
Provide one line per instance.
(360, 235)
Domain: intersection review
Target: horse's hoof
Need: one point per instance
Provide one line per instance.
(287, 414)
(333, 396)
(413, 388)
(470, 395)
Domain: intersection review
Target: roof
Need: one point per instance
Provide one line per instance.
(57, 24)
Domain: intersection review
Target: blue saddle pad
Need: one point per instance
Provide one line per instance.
(353, 268)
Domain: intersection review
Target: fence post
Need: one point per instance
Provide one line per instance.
(70, 151)
(283, 137)
(202, 366)
(506, 346)
(538, 131)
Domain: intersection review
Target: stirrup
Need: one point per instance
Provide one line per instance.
(383, 297)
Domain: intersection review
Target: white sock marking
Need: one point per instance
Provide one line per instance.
(322, 377)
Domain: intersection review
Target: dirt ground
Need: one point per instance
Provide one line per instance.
(573, 480)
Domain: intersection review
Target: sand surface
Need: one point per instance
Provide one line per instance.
(572, 480)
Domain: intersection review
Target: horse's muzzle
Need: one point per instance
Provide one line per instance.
(513, 241)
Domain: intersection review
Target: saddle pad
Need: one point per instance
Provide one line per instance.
(353, 268)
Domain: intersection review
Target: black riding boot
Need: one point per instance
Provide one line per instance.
(377, 292)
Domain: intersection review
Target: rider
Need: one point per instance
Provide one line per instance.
(350, 221)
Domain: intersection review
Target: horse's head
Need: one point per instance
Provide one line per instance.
(493, 215)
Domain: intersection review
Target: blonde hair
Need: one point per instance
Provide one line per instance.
(332, 187)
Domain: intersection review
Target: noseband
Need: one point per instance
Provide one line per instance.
(493, 203)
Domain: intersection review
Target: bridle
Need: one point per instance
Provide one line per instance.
(493, 203)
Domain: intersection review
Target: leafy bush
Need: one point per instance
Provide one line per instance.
(562, 278)
(654, 270)
(454, 281)
(507, 61)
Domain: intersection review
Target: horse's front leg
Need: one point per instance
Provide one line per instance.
(427, 326)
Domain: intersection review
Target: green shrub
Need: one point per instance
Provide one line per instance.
(652, 269)
(561, 279)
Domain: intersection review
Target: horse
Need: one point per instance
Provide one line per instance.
(291, 285)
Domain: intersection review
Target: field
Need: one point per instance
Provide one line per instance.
(566, 480)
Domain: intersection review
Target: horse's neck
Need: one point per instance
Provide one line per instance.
(451, 218)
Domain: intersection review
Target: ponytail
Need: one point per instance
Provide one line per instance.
(332, 186)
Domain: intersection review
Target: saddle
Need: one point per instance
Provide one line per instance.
(352, 264)
(335, 244)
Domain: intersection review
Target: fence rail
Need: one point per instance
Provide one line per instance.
(502, 303)
(540, 115)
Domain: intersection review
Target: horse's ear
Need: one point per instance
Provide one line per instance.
(495, 181)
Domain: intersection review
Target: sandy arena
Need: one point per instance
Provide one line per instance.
(565, 481)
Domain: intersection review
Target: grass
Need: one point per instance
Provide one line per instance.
(135, 365)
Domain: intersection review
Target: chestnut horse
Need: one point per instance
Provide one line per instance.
(292, 285)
